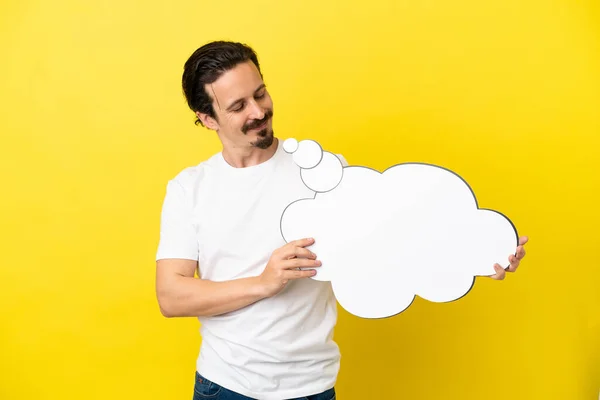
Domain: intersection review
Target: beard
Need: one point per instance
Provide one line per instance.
(265, 139)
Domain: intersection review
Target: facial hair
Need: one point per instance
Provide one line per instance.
(265, 137)
(257, 122)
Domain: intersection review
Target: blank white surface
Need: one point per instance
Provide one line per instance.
(383, 238)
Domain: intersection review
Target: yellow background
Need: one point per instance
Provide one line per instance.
(505, 92)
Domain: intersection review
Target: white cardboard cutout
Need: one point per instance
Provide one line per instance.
(383, 238)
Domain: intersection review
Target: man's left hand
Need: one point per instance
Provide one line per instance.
(514, 260)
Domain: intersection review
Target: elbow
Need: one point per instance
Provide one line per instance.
(173, 307)
(166, 312)
(166, 307)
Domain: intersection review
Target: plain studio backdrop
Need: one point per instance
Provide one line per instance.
(93, 125)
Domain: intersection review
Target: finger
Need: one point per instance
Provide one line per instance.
(299, 252)
(299, 274)
(514, 263)
(520, 252)
(500, 273)
(523, 240)
(301, 242)
(300, 263)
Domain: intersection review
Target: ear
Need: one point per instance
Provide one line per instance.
(208, 121)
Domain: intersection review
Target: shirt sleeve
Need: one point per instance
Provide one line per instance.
(177, 233)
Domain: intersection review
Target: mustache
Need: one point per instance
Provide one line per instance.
(257, 122)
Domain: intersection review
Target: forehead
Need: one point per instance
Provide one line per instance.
(239, 82)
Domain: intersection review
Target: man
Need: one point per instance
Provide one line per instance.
(267, 330)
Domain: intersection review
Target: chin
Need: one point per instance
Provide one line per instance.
(265, 139)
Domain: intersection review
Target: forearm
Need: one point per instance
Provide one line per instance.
(186, 296)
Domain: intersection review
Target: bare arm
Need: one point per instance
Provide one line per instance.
(180, 294)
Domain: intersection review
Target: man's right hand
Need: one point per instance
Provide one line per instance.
(284, 263)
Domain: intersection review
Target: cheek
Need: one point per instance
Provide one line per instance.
(238, 122)
(267, 102)
(234, 121)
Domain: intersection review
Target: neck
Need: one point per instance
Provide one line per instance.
(242, 156)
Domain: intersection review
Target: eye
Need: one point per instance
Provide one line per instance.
(261, 95)
(238, 108)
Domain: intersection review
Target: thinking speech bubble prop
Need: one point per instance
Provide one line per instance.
(383, 238)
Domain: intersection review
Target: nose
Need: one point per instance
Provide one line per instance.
(256, 111)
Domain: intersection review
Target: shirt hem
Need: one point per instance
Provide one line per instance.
(287, 394)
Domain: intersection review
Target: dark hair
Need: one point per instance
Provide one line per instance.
(206, 65)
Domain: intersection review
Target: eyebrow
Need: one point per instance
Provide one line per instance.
(235, 103)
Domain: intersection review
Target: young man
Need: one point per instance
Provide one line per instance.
(267, 330)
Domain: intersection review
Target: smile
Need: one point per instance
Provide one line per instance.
(261, 126)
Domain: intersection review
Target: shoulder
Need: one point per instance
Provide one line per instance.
(188, 176)
(192, 176)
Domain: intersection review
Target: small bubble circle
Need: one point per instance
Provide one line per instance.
(308, 154)
(325, 176)
(290, 145)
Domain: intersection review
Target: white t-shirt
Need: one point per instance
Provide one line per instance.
(228, 219)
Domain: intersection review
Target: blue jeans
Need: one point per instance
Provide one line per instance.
(205, 389)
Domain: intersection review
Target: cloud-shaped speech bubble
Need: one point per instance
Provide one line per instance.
(415, 229)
